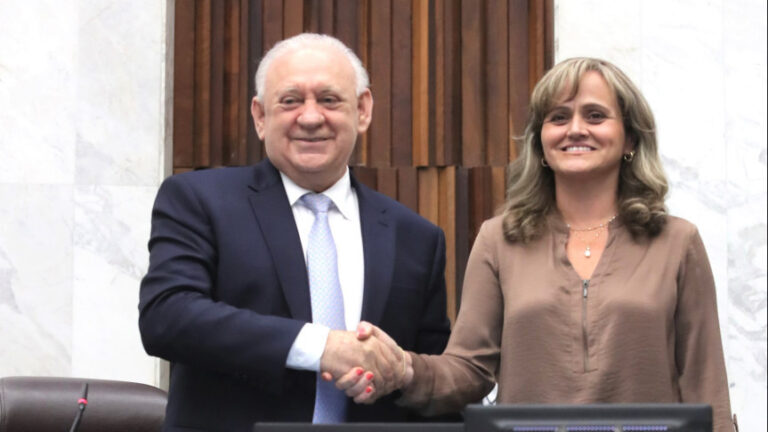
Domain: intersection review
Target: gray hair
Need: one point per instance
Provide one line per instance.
(308, 40)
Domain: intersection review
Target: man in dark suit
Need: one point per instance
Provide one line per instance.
(233, 297)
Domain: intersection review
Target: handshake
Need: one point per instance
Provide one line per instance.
(366, 365)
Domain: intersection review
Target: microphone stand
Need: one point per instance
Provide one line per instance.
(81, 403)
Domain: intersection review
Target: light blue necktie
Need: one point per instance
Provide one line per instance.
(327, 301)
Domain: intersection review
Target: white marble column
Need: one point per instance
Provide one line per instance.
(702, 67)
(83, 114)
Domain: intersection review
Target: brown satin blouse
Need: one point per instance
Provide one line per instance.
(644, 328)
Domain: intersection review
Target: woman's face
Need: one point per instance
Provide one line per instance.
(584, 136)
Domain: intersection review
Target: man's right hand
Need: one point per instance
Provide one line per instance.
(356, 381)
(345, 354)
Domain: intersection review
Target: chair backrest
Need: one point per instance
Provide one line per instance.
(42, 404)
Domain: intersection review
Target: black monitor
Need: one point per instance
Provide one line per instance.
(589, 418)
(359, 427)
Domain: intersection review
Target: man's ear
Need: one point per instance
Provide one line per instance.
(364, 111)
(258, 113)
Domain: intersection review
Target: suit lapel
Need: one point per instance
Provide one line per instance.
(278, 227)
(378, 250)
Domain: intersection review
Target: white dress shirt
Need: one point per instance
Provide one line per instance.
(344, 220)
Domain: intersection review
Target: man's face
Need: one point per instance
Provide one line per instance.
(310, 115)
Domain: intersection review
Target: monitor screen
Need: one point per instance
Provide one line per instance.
(589, 418)
(359, 427)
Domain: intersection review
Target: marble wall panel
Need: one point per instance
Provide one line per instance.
(35, 279)
(744, 42)
(702, 67)
(110, 258)
(37, 99)
(120, 71)
(82, 110)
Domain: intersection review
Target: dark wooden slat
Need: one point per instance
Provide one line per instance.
(462, 229)
(447, 221)
(347, 19)
(202, 133)
(366, 176)
(498, 189)
(255, 51)
(473, 117)
(243, 95)
(408, 187)
(232, 103)
(536, 35)
(549, 34)
(326, 17)
(312, 10)
(402, 120)
(518, 72)
(217, 83)
(293, 17)
(431, 82)
(480, 202)
(420, 59)
(496, 83)
(438, 75)
(386, 181)
(448, 114)
(346, 23)
(272, 22)
(380, 137)
(184, 84)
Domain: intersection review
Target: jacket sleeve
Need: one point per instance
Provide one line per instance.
(698, 348)
(180, 320)
(465, 372)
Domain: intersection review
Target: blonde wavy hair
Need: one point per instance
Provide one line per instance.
(642, 183)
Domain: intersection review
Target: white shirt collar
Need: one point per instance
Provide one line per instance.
(340, 193)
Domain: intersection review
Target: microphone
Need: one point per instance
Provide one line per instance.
(81, 403)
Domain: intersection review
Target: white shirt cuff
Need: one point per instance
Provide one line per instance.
(308, 348)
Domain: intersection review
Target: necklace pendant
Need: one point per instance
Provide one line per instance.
(587, 252)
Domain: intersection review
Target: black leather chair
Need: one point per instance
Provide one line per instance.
(47, 404)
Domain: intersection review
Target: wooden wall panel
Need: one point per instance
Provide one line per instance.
(184, 85)
(400, 105)
(380, 69)
(447, 221)
(386, 181)
(496, 82)
(272, 20)
(450, 80)
(447, 79)
(233, 103)
(518, 72)
(420, 88)
(408, 187)
(216, 138)
(473, 120)
(255, 47)
(293, 17)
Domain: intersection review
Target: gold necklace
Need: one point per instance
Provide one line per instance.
(598, 228)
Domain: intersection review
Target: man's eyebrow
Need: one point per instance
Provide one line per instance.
(287, 89)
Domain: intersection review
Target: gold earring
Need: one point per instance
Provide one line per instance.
(544, 163)
(628, 157)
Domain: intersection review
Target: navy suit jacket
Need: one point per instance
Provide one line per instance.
(227, 292)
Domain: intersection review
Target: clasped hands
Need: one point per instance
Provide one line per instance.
(365, 364)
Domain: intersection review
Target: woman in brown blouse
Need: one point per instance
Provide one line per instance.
(584, 290)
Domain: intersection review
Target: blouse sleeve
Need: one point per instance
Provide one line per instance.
(698, 348)
(465, 372)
